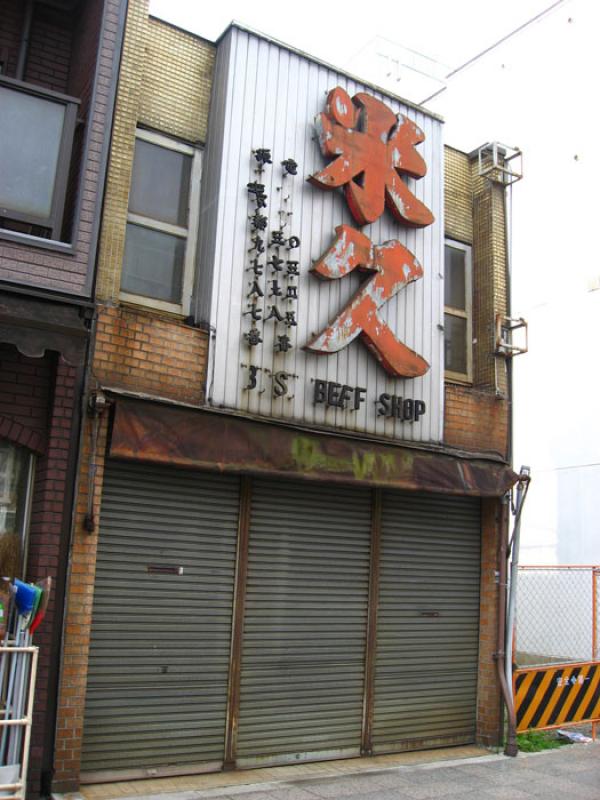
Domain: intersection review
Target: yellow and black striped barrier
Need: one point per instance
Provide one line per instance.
(547, 697)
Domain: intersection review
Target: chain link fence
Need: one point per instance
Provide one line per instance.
(558, 620)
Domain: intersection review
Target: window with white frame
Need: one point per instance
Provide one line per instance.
(458, 336)
(161, 234)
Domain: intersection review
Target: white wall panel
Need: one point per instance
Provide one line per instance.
(268, 96)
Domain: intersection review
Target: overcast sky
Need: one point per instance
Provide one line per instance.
(449, 32)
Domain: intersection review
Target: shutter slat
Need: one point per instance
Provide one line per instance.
(305, 625)
(428, 621)
(160, 646)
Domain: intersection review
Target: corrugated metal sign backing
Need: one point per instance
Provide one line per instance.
(159, 658)
(305, 626)
(264, 95)
(428, 623)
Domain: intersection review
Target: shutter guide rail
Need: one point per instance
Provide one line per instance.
(237, 632)
(371, 640)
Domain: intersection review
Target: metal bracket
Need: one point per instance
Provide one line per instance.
(495, 162)
(505, 340)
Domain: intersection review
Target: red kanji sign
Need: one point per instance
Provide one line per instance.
(394, 267)
(372, 148)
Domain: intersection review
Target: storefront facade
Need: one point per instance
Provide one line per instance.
(287, 535)
(58, 70)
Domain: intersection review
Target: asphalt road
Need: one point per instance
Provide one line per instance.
(570, 773)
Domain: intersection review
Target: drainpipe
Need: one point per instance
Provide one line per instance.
(24, 44)
(511, 739)
(513, 547)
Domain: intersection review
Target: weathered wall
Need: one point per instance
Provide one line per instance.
(476, 414)
(155, 355)
(165, 85)
(37, 407)
(57, 61)
(140, 350)
(488, 691)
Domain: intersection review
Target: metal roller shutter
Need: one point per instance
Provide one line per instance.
(304, 634)
(159, 658)
(428, 622)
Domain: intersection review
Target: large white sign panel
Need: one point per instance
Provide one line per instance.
(323, 301)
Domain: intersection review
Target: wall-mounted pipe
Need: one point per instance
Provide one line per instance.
(513, 552)
(511, 748)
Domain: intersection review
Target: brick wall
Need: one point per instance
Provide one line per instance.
(488, 687)
(489, 279)
(476, 415)
(176, 90)
(12, 22)
(50, 49)
(143, 352)
(164, 84)
(24, 398)
(49, 535)
(38, 395)
(458, 196)
(26, 263)
(475, 420)
(78, 619)
(86, 33)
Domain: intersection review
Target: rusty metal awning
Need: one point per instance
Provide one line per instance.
(204, 439)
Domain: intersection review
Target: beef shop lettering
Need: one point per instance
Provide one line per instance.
(340, 395)
(404, 408)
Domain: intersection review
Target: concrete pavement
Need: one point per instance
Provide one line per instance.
(570, 773)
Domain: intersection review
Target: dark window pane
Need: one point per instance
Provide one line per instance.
(160, 183)
(30, 131)
(455, 343)
(455, 294)
(153, 264)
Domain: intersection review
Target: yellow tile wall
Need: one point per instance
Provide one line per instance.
(165, 83)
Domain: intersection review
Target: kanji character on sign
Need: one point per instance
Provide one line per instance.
(284, 343)
(263, 156)
(290, 166)
(253, 337)
(394, 267)
(372, 148)
(258, 221)
(275, 314)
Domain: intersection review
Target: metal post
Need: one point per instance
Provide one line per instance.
(30, 699)
(595, 654)
(595, 614)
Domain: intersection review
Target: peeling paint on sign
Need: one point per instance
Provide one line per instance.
(372, 148)
(394, 267)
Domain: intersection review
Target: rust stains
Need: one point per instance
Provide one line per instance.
(394, 267)
(153, 432)
(371, 148)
